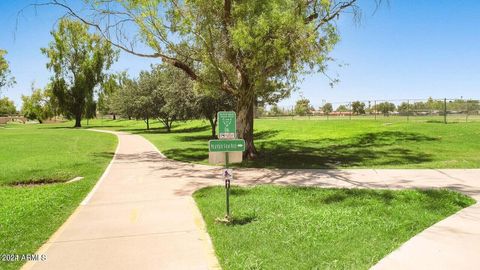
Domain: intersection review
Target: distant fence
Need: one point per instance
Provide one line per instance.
(435, 110)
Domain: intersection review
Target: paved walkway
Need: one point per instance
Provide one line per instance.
(140, 215)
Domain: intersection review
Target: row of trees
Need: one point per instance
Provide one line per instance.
(303, 107)
(252, 50)
(164, 94)
(79, 61)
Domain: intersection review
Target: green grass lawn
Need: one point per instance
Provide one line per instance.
(312, 228)
(286, 143)
(29, 214)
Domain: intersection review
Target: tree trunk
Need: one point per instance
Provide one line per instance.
(213, 124)
(78, 120)
(114, 117)
(168, 125)
(245, 113)
(148, 123)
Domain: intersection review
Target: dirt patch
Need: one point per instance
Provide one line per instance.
(35, 183)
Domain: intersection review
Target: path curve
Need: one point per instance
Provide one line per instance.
(141, 215)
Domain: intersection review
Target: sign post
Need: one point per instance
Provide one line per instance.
(227, 143)
(227, 185)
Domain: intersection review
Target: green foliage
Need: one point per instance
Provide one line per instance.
(5, 78)
(267, 41)
(7, 107)
(176, 92)
(164, 93)
(384, 107)
(40, 105)
(342, 108)
(404, 108)
(287, 227)
(302, 107)
(275, 110)
(254, 50)
(109, 87)
(358, 107)
(327, 108)
(78, 60)
(209, 104)
(457, 105)
(139, 99)
(260, 110)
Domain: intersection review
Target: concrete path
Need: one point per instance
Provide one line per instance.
(141, 215)
(133, 219)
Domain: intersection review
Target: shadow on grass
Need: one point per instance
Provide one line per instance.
(192, 154)
(163, 130)
(340, 195)
(239, 221)
(369, 149)
(380, 148)
(106, 154)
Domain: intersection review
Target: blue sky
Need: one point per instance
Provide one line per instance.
(407, 49)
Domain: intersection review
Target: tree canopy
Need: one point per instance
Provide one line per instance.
(254, 50)
(342, 108)
(163, 93)
(40, 105)
(78, 60)
(7, 107)
(358, 107)
(385, 107)
(327, 108)
(302, 107)
(109, 87)
(5, 75)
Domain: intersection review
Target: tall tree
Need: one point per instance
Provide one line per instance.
(302, 107)
(109, 87)
(141, 98)
(385, 107)
(38, 106)
(176, 91)
(275, 110)
(78, 60)
(7, 107)
(5, 77)
(342, 108)
(327, 108)
(254, 50)
(358, 107)
(209, 104)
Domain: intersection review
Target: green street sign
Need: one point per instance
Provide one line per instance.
(227, 125)
(226, 145)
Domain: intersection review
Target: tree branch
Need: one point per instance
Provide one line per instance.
(168, 59)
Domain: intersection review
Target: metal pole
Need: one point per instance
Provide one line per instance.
(408, 110)
(466, 114)
(227, 186)
(350, 107)
(445, 110)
